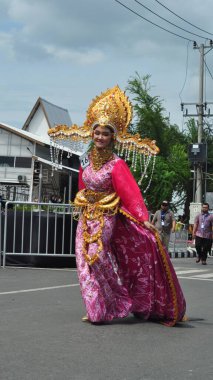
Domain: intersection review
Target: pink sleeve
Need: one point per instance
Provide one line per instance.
(81, 184)
(129, 192)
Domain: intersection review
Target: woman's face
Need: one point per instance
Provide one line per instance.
(102, 137)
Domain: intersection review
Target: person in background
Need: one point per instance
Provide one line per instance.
(202, 232)
(164, 221)
(180, 225)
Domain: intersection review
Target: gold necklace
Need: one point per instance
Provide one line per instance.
(100, 157)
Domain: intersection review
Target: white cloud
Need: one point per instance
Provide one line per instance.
(7, 45)
(68, 55)
(70, 50)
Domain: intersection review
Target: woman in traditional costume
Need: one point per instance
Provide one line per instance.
(122, 265)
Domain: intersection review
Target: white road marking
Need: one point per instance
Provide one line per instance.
(194, 273)
(205, 275)
(38, 289)
(48, 269)
(187, 271)
(195, 278)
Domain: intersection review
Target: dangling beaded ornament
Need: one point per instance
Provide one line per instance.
(113, 109)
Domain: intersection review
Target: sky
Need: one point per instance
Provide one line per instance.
(69, 51)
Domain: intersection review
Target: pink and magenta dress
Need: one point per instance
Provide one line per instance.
(133, 273)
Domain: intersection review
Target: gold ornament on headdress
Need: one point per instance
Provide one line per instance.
(112, 108)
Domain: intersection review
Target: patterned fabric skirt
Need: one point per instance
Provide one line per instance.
(130, 275)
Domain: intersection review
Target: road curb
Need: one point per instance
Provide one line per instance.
(183, 254)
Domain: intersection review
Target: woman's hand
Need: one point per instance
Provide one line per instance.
(149, 226)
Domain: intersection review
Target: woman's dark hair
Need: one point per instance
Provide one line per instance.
(106, 126)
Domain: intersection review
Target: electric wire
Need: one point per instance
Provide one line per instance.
(208, 69)
(186, 73)
(182, 18)
(168, 31)
(169, 22)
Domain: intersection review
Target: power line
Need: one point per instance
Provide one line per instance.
(168, 31)
(169, 22)
(208, 69)
(187, 60)
(183, 19)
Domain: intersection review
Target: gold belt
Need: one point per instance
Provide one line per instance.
(94, 205)
(98, 199)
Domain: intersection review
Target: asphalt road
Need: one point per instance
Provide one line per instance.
(42, 336)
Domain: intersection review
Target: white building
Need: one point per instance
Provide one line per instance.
(45, 115)
(25, 165)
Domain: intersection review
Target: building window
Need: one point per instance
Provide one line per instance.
(23, 162)
(6, 161)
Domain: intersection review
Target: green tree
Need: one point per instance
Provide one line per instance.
(172, 171)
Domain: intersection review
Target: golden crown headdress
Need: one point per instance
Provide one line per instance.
(111, 108)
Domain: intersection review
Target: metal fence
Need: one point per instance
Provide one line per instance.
(0, 232)
(48, 229)
(36, 229)
(178, 241)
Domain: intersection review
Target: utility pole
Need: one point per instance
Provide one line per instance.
(200, 104)
(201, 113)
(198, 192)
